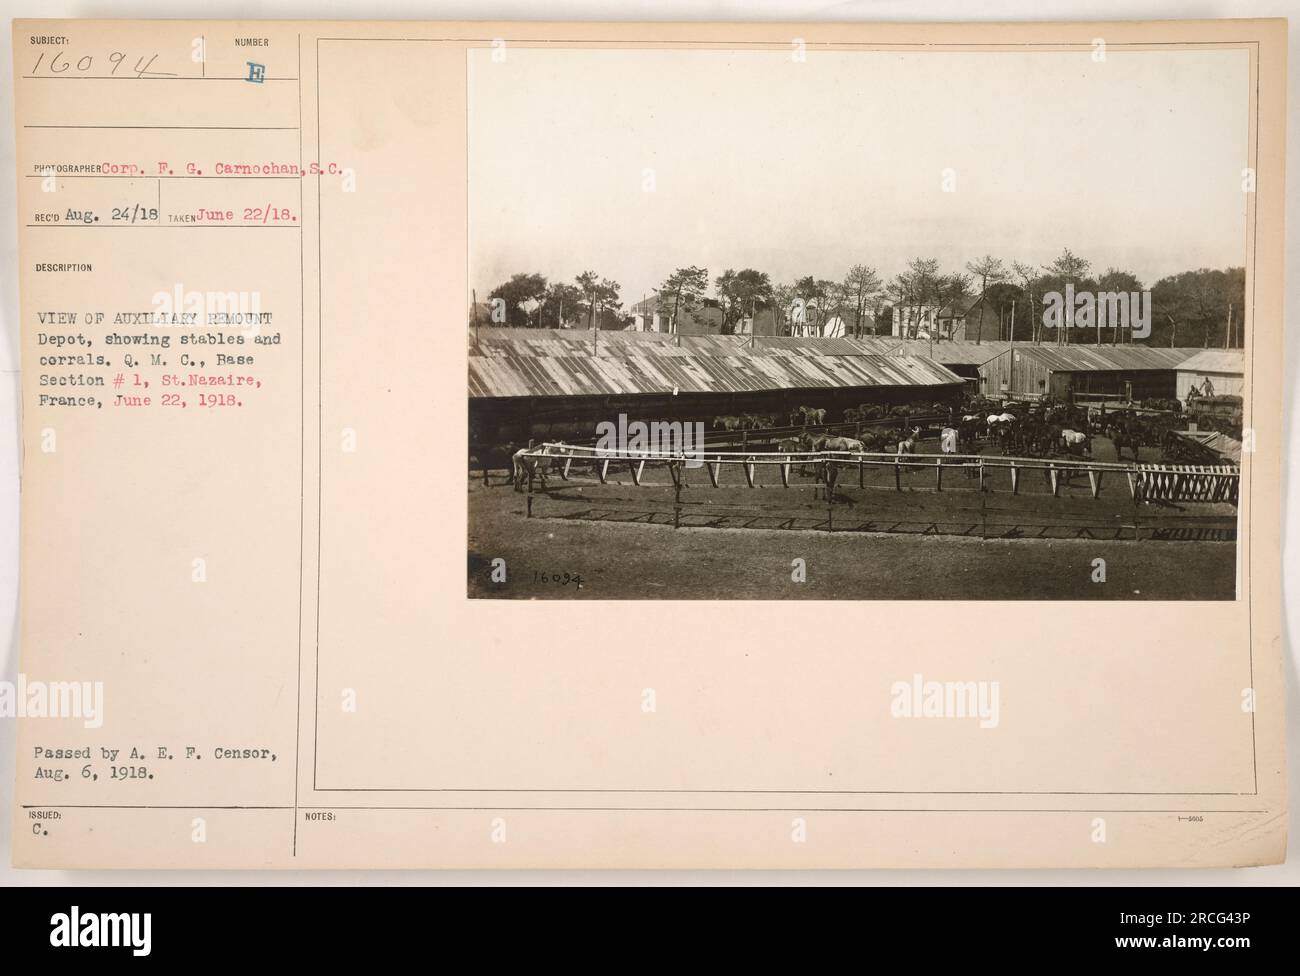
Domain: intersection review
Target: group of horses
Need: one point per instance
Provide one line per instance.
(827, 469)
(893, 442)
(745, 421)
(1035, 430)
(1055, 430)
(805, 416)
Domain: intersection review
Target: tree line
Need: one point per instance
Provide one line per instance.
(998, 299)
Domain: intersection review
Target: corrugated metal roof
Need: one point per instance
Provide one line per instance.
(494, 341)
(1073, 359)
(954, 353)
(647, 372)
(805, 346)
(1231, 361)
(1220, 443)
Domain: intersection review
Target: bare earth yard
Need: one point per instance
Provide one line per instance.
(739, 542)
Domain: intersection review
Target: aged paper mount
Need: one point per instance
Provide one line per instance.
(251, 635)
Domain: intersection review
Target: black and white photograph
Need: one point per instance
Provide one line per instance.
(850, 323)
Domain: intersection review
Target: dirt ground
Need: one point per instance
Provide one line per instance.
(739, 542)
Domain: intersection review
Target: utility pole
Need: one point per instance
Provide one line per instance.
(1011, 378)
(474, 299)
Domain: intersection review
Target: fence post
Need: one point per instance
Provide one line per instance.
(674, 468)
(1137, 532)
(529, 503)
(984, 511)
(830, 500)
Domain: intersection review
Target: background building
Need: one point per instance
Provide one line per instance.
(1224, 368)
(1124, 372)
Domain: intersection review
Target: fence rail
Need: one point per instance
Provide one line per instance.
(1146, 482)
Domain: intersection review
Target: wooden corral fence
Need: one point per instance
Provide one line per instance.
(1185, 482)
(1146, 482)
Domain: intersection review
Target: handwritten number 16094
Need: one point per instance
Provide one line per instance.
(60, 63)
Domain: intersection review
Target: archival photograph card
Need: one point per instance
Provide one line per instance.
(872, 440)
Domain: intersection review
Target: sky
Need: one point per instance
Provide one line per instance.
(632, 163)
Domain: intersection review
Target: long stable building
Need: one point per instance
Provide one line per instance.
(529, 382)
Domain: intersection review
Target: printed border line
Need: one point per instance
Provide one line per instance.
(713, 45)
(588, 809)
(302, 452)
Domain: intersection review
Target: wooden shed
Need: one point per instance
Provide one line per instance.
(1127, 372)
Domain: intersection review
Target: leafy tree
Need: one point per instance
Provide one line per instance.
(1199, 301)
(783, 300)
(1001, 298)
(520, 296)
(950, 290)
(1031, 284)
(752, 288)
(989, 270)
(561, 300)
(916, 289)
(684, 289)
(589, 284)
(727, 298)
(741, 291)
(862, 284)
(1115, 280)
(809, 294)
(1066, 269)
(598, 294)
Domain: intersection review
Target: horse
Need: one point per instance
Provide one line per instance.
(1076, 442)
(1000, 425)
(828, 473)
(525, 463)
(814, 416)
(806, 443)
(1122, 439)
(908, 446)
(847, 445)
(728, 422)
(828, 469)
(791, 445)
